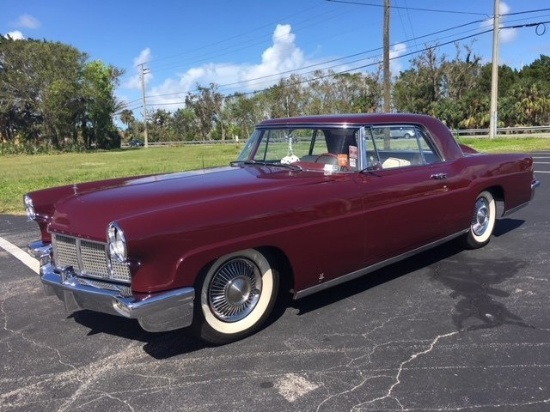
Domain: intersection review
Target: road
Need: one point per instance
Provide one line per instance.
(447, 330)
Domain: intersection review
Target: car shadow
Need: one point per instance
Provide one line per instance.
(503, 226)
(159, 345)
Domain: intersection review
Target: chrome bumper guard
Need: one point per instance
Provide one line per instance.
(159, 312)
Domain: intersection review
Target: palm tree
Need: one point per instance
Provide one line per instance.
(127, 118)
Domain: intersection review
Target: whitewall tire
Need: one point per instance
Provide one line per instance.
(236, 296)
(483, 221)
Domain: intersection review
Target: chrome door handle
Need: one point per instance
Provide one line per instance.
(439, 176)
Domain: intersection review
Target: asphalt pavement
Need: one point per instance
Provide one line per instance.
(446, 330)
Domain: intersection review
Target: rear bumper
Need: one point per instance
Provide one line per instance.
(157, 312)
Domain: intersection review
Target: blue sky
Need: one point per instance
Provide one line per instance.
(246, 45)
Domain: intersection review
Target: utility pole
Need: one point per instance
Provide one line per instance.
(144, 71)
(386, 70)
(386, 65)
(493, 116)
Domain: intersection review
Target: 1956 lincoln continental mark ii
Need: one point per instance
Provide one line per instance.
(311, 202)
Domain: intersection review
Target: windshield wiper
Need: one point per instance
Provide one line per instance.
(264, 163)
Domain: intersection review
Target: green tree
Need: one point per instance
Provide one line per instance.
(532, 102)
(538, 70)
(418, 88)
(98, 90)
(207, 104)
(243, 113)
(127, 117)
(39, 90)
(185, 124)
(49, 95)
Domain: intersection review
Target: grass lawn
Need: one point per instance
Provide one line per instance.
(22, 174)
(507, 144)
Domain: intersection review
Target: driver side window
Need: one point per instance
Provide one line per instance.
(393, 146)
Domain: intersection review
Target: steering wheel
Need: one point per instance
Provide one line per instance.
(327, 158)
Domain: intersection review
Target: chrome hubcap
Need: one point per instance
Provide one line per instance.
(235, 290)
(481, 218)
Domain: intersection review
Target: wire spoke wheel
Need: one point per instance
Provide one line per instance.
(235, 290)
(237, 294)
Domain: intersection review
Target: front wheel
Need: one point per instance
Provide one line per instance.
(483, 221)
(237, 294)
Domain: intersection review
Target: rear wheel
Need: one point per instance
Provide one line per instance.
(237, 294)
(483, 221)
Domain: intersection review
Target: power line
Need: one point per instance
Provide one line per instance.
(324, 64)
(525, 12)
(205, 57)
(345, 60)
(354, 69)
(408, 8)
(242, 46)
(228, 39)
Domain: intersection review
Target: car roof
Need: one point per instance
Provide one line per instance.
(349, 119)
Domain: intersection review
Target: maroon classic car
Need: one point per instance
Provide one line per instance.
(310, 203)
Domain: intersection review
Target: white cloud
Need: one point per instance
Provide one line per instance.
(505, 35)
(504, 8)
(144, 57)
(28, 22)
(283, 56)
(135, 80)
(395, 64)
(508, 35)
(25, 21)
(16, 35)
(277, 60)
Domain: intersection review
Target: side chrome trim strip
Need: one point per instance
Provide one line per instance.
(354, 275)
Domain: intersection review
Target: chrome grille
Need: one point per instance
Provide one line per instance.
(94, 259)
(87, 258)
(65, 251)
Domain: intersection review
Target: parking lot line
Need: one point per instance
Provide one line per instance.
(19, 254)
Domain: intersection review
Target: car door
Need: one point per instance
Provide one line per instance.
(406, 192)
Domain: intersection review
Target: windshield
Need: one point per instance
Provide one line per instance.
(331, 149)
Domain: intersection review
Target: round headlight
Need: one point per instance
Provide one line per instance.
(117, 243)
(29, 208)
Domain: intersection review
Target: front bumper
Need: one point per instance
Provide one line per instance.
(157, 312)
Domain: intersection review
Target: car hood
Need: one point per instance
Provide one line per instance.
(88, 210)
